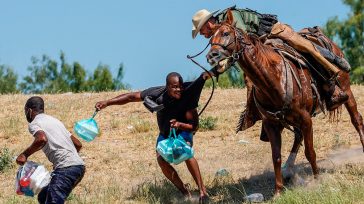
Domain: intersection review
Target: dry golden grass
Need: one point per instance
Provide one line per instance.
(121, 164)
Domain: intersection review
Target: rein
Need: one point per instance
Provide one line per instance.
(213, 82)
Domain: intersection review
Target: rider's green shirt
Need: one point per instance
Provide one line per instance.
(250, 21)
(247, 20)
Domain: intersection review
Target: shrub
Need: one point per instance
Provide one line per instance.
(208, 123)
(5, 159)
(142, 126)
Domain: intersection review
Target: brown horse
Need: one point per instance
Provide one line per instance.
(282, 98)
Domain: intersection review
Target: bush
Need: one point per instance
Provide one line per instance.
(208, 123)
(357, 75)
(142, 126)
(5, 159)
(232, 78)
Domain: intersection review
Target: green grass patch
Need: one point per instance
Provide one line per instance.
(208, 123)
(5, 159)
(344, 186)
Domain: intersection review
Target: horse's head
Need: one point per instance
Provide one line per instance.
(225, 48)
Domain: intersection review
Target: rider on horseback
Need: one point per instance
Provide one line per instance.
(267, 26)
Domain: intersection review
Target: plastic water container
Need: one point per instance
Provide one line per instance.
(181, 151)
(222, 172)
(31, 178)
(87, 129)
(174, 149)
(255, 198)
(164, 148)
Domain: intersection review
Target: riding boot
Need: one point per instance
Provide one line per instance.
(301, 44)
(340, 62)
(335, 97)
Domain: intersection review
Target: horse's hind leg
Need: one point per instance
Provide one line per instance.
(356, 118)
(288, 167)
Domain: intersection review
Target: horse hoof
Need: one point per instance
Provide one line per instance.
(276, 196)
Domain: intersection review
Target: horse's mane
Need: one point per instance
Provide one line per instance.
(265, 55)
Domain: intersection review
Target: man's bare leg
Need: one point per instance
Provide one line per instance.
(172, 175)
(194, 169)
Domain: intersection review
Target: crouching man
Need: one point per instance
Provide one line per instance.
(60, 147)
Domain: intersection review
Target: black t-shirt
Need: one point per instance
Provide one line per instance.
(175, 109)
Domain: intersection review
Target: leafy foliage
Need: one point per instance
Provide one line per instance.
(349, 35)
(47, 77)
(102, 79)
(357, 75)
(5, 159)
(232, 78)
(208, 123)
(8, 80)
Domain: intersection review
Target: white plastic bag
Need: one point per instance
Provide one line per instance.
(38, 176)
(39, 179)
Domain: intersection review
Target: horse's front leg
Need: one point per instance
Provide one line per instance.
(274, 130)
(288, 167)
(307, 133)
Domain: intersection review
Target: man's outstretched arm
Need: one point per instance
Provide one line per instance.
(119, 100)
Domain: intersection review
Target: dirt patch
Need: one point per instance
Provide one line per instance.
(353, 155)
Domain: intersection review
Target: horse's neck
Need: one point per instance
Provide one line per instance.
(264, 69)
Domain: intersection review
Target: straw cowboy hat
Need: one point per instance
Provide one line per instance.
(199, 19)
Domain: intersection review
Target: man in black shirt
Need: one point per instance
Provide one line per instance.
(178, 103)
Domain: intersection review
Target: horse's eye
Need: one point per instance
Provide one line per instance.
(226, 34)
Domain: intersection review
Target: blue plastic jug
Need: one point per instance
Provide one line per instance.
(87, 129)
(174, 149)
(165, 149)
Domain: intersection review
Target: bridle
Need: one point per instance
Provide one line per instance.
(234, 58)
(238, 39)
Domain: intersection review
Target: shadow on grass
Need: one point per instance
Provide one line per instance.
(223, 189)
(156, 192)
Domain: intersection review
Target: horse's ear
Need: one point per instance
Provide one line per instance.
(230, 18)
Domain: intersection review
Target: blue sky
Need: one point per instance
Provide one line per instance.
(151, 38)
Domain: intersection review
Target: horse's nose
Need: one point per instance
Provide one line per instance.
(213, 57)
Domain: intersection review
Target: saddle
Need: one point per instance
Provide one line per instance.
(324, 45)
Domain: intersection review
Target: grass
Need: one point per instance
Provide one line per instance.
(5, 159)
(142, 126)
(208, 123)
(121, 165)
(343, 186)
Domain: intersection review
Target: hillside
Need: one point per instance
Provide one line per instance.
(121, 163)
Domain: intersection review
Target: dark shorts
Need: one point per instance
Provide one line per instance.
(62, 182)
(187, 136)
